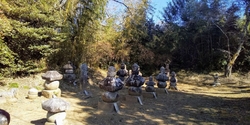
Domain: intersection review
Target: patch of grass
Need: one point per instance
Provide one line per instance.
(13, 85)
(26, 87)
(39, 88)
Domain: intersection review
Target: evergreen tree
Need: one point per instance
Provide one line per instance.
(135, 32)
(32, 30)
(202, 33)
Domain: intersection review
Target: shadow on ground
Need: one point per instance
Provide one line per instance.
(177, 107)
(197, 102)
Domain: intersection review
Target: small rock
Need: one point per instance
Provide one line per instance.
(52, 117)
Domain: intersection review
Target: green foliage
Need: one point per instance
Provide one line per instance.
(40, 35)
(6, 55)
(39, 88)
(26, 87)
(29, 34)
(135, 32)
(201, 33)
(13, 85)
(81, 20)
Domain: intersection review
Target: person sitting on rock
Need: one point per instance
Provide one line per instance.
(162, 78)
(123, 72)
(150, 85)
(173, 81)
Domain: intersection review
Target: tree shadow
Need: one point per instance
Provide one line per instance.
(173, 108)
(177, 107)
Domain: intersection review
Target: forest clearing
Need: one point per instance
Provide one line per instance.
(196, 102)
(194, 38)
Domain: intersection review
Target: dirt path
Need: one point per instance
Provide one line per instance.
(197, 102)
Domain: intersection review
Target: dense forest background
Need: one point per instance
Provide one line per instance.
(197, 35)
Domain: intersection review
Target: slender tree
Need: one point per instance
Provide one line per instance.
(135, 31)
(242, 38)
(82, 19)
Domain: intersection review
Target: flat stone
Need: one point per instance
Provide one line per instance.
(55, 105)
(110, 97)
(33, 91)
(50, 123)
(30, 96)
(12, 93)
(69, 71)
(49, 93)
(52, 76)
(51, 85)
(65, 122)
(52, 117)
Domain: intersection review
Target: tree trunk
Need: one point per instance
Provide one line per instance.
(230, 64)
(244, 37)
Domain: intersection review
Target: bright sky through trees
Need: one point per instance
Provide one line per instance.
(159, 5)
(117, 8)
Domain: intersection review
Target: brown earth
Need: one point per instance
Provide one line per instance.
(196, 102)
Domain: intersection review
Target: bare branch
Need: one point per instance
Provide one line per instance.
(228, 46)
(123, 5)
(224, 51)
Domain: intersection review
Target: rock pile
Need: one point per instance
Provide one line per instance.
(56, 108)
(51, 84)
